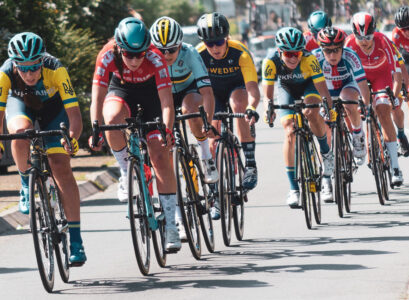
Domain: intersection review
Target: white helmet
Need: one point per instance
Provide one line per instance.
(166, 33)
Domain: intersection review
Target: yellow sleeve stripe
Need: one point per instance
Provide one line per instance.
(69, 105)
(318, 79)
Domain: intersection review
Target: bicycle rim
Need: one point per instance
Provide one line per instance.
(349, 174)
(137, 216)
(61, 248)
(238, 207)
(303, 180)
(187, 199)
(158, 236)
(225, 192)
(41, 229)
(376, 161)
(338, 173)
(316, 175)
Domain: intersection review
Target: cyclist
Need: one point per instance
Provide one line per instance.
(345, 78)
(36, 87)
(190, 87)
(139, 76)
(298, 74)
(379, 59)
(316, 21)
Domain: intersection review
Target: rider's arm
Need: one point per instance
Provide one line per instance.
(397, 83)
(1, 128)
(74, 116)
(318, 78)
(249, 72)
(97, 102)
(168, 111)
(268, 71)
(253, 93)
(208, 100)
(365, 93)
(5, 85)
(323, 91)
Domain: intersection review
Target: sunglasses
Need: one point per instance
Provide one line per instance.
(329, 51)
(368, 37)
(130, 55)
(292, 54)
(32, 68)
(169, 50)
(215, 43)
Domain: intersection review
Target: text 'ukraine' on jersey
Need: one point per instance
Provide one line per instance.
(53, 84)
(401, 42)
(310, 41)
(382, 62)
(235, 68)
(348, 69)
(152, 65)
(298, 79)
(187, 68)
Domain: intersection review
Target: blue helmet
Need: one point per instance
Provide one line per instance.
(132, 35)
(290, 39)
(26, 46)
(318, 20)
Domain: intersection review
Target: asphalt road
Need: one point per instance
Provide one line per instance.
(362, 256)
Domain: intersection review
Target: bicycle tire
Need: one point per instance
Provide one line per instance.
(375, 161)
(338, 172)
(348, 173)
(225, 191)
(158, 235)
(303, 181)
(61, 245)
(187, 199)
(40, 224)
(316, 175)
(386, 171)
(241, 196)
(140, 230)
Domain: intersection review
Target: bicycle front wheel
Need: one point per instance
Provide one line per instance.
(348, 174)
(315, 185)
(225, 191)
(187, 198)
(240, 196)
(138, 218)
(158, 236)
(338, 172)
(375, 156)
(40, 223)
(303, 175)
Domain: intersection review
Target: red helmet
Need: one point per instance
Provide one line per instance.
(363, 24)
(331, 36)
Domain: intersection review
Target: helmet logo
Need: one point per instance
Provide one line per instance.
(163, 30)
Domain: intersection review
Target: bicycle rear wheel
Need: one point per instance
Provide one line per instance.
(138, 218)
(61, 244)
(187, 199)
(40, 223)
(338, 172)
(225, 191)
(240, 197)
(303, 175)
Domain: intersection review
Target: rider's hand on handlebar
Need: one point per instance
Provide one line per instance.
(1, 149)
(272, 119)
(74, 145)
(99, 144)
(251, 115)
(170, 139)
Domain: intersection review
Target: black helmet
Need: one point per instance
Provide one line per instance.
(212, 27)
(402, 17)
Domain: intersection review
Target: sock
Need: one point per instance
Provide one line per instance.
(401, 133)
(249, 150)
(24, 178)
(120, 157)
(168, 202)
(291, 177)
(75, 232)
(393, 153)
(178, 213)
(356, 130)
(204, 150)
(324, 148)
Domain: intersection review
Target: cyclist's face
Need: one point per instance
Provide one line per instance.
(133, 63)
(30, 78)
(365, 45)
(291, 61)
(170, 56)
(217, 52)
(332, 54)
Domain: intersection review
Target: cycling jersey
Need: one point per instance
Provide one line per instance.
(381, 63)
(293, 81)
(153, 65)
(54, 84)
(401, 42)
(187, 69)
(310, 41)
(348, 70)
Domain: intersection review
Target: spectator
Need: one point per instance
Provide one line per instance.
(244, 29)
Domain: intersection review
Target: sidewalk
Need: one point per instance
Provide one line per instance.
(93, 174)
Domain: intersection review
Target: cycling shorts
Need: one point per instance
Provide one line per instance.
(222, 97)
(16, 108)
(380, 84)
(284, 97)
(180, 96)
(352, 85)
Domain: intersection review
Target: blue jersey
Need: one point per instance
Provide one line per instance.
(187, 68)
(349, 69)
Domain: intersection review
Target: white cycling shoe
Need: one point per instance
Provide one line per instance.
(293, 199)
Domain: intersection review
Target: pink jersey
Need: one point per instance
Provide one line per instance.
(310, 41)
(380, 64)
(153, 64)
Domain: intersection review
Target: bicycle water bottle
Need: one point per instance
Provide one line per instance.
(51, 190)
(148, 177)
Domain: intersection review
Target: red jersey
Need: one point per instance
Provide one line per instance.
(401, 42)
(153, 64)
(381, 63)
(310, 41)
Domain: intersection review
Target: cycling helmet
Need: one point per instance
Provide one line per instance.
(166, 33)
(212, 27)
(363, 24)
(318, 20)
(331, 36)
(290, 39)
(402, 17)
(26, 46)
(132, 35)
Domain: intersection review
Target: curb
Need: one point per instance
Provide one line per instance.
(12, 220)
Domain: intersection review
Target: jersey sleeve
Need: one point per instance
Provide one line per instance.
(198, 68)
(269, 72)
(248, 69)
(103, 66)
(160, 69)
(313, 68)
(63, 83)
(355, 64)
(5, 85)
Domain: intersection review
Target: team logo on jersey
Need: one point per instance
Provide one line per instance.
(154, 58)
(100, 71)
(211, 61)
(206, 81)
(315, 66)
(68, 88)
(230, 61)
(267, 72)
(107, 58)
(163, 73)
(180, 63)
